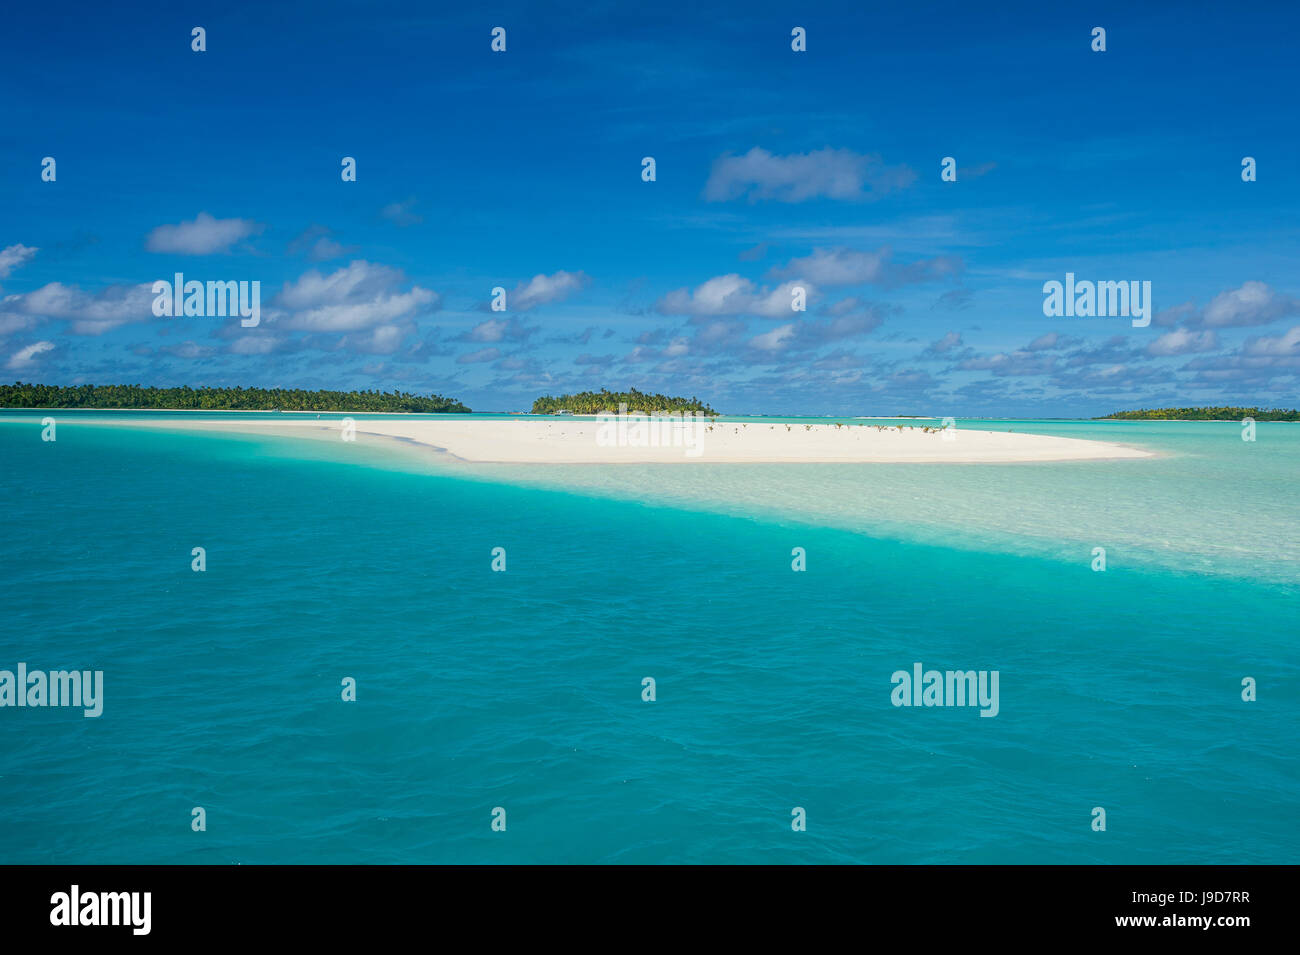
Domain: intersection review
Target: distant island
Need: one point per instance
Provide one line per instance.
(1205, 414)
(599, 402)
(132, 397)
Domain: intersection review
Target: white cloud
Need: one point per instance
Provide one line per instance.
(1286, 345)
(947, 343)
(13, 257)
(107, 309)
(845, 306)
(254, 345)
(358, 296)
(384, 340)
(1254, 303)
(204, 236)
(1011, 364)
(25, 358)
(188, 349)
(544, 289)
(499, 330)
(477, 357)
(733, 295)
(12, 320)
(493, 330)
(1183, 341)
(828, 173)
(842, 266)
(840, 327)
(837, 266)
(775, 340)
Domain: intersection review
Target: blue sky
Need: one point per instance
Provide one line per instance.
(775, 168)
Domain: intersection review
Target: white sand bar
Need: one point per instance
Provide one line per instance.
(574, 440)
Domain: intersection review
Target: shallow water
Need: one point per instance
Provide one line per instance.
(523, 689)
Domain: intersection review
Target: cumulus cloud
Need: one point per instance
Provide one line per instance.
(840, 327)
(732, 295)
(188, 349)
(944, 347)
(1110, 379)
(1254, 303)
(1260, 361)
(545, 289)
(383, 340)
(262, 344)
(803, 336)
(824, 173)
(12, 320)
(1175, 315)
(499, 330)
(26, 358)
(1286, 345)
(89, 314)
(359, 296)
(775, 340)
(1053, 341)
(13, 257)
(842, 266)
(204, 236)
(844, 306)
(1115, 350)
(477, 357)
(576, 338)
(1014, 364)
(719, 333)
(1183, 341)
(677, 348)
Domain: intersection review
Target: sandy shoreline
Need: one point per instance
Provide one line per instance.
(589, 441)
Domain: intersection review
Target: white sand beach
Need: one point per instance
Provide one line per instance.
(591, 441)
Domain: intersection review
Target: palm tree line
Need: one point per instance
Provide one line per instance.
(610, 402)
(1221, 413)
(24, 395)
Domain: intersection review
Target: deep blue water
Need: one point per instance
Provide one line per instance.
(523, 689)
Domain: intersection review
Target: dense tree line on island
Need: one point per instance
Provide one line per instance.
(1206, 414)
(20, 395)
(608, 402)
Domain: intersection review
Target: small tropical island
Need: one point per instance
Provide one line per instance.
(609, 402)
(135, 397)
(1220, 413)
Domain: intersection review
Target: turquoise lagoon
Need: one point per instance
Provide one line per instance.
(475, 690)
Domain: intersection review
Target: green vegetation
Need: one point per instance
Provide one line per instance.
(592, 402)
(1206, 414)
(20, 395)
